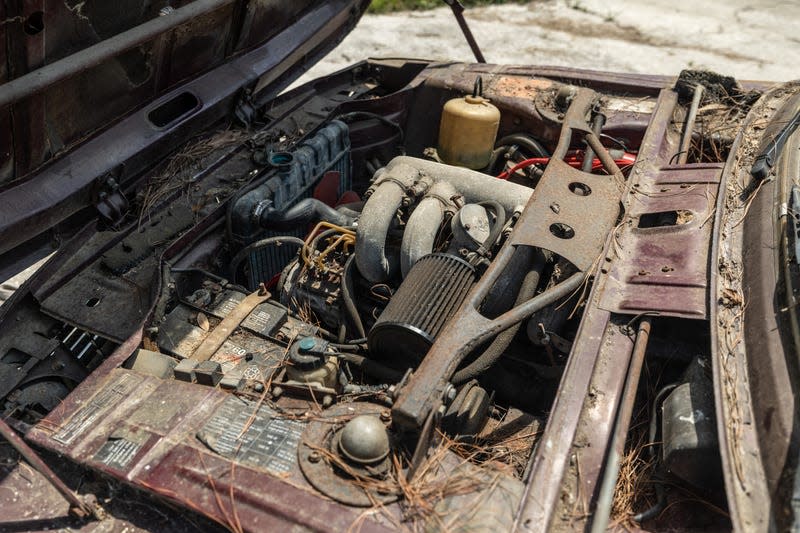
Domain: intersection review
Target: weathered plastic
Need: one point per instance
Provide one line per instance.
(468, 131)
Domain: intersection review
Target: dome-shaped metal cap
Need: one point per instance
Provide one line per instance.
(364, 440)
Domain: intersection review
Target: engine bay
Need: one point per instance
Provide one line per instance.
(389, 289)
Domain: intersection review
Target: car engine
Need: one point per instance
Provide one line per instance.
(380, 289)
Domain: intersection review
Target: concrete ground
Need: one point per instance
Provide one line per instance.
(748, 39)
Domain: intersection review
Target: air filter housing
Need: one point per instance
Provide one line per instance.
(430, 294)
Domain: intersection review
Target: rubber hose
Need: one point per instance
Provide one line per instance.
(237, 259)
(500, 343)
(532, 147)
(302, 213)
(347, 297)
(373, 368)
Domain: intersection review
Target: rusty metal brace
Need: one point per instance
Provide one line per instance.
(77, 506)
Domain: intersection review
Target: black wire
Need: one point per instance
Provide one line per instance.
(477, 89)
(618, 142)
(675, 156)
(351, 343)
(243, 253)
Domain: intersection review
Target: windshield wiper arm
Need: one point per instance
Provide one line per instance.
(766, 159)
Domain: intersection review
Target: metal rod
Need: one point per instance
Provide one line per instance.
(69, 335)
(588, 156)
(458, 12)
(77, 342)
(624, 414)
(78, 506)
(42, 78)
(661, 495)
(688, 129)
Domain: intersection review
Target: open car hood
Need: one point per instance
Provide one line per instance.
(94, 95)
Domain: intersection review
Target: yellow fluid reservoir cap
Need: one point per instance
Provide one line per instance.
(470, 99)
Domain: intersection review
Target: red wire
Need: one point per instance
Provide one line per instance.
(523, 164)
(574, 159)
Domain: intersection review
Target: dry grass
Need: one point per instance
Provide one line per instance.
(448, 471)
(177, 173)
(635, 490)
(417, 497)
(500, 449)
(717, 124)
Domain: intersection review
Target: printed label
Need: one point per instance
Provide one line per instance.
(256, 437)
(85, 418)
(117, 453)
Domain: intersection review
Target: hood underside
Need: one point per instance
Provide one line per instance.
(88, 89)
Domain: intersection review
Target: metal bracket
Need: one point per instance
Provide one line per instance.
(111, 203)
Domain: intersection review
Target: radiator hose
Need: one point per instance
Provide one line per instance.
(498, 346)
(302, 213)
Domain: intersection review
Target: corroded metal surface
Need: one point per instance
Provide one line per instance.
(660, 258)
(567, 469)
(571, 212)
(318, 438)
(155, 436)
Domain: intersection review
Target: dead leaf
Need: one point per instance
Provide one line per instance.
(202, 321)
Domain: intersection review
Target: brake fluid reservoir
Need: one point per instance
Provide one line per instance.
(468, 130)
